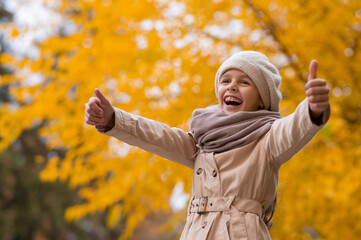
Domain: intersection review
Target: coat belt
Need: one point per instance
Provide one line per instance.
(223, 204)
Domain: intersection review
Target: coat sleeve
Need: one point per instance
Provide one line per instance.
(155, 137)
(288, 135)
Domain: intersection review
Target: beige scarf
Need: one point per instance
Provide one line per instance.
(215, 131)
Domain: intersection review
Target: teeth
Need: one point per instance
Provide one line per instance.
(233, 99)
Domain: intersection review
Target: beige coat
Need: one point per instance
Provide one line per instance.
(231, 190)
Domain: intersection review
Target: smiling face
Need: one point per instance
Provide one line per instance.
(237, 92)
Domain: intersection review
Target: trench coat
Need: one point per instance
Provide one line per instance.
(231, 190)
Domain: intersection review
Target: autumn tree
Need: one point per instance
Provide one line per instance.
(29, 208)
(158, 58)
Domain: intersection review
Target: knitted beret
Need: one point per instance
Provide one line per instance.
(262, 72)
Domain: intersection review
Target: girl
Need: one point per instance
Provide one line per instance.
(235, 148)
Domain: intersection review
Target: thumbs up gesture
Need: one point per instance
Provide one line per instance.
(317, 93)
(99, 111)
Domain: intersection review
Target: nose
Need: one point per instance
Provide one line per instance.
(231, 87)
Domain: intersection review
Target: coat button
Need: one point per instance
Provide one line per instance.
(199, 171)
(204, 224)
(214, 173)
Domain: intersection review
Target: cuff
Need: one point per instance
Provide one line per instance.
(103, 129)
(123, 122)
(322, 120)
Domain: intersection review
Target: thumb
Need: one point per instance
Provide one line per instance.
(312, 70)
(101, 97)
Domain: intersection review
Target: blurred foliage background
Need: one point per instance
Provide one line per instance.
(60, 179)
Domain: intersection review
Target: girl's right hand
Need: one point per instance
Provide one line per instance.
(99, 111)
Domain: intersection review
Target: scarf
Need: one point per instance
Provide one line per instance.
(215, 131)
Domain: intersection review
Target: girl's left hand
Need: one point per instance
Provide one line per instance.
(317, 93)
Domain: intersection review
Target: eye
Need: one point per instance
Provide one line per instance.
(245, 82)
(225, 80)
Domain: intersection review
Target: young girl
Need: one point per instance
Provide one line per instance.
(235, 148)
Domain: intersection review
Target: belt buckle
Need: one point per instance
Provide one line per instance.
(202, 204)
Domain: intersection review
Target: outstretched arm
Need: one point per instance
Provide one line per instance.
(288, 135)
(152, 136)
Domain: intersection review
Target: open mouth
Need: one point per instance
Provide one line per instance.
(233, 101)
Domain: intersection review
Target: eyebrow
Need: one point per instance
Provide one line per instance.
(226, 75)
(229, 75)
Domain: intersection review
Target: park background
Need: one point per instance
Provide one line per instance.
(60, 179)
